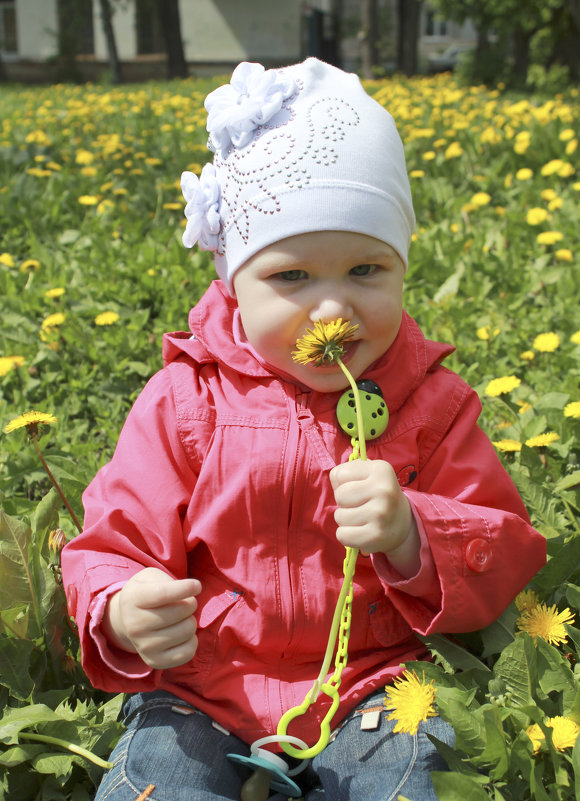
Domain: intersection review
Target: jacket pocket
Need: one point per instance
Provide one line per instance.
(211, 623)
(388, 627)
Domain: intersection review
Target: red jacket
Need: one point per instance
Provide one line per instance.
(221, 473)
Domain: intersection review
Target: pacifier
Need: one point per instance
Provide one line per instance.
(374, 410)
(269, 770)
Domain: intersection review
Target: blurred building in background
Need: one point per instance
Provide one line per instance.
(140, 39)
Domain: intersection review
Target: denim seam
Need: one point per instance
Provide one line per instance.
(407, 773)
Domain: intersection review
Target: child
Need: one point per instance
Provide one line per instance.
(211, 562)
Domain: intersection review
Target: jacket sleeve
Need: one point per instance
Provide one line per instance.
(478, 547)
(134, 518)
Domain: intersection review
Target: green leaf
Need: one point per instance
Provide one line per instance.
(576, 768)
(571, 480)
(457, 787)
(453, 656)
(517, 667)
(468, 725)
(554, 673)
(46, 512)
(15, 657)
(16, 584)
(495, 752)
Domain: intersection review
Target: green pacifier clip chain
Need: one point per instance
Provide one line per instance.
(362, 418)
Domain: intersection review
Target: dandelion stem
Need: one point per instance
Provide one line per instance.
(76, 749)
(55, 483)
(359, 417)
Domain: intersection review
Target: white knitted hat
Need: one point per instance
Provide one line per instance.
(299, 149)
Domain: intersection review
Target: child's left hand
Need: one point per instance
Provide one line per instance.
(373, 513)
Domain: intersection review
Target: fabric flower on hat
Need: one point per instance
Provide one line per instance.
(202, 210)
(253, 97)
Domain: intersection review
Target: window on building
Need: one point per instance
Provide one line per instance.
(149, 39)
(434, 26)
(75, 25)
(8, 37)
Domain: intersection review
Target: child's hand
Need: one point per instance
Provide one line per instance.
(152, 615)
(373, 513)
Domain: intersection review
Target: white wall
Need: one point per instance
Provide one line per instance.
(36, 28)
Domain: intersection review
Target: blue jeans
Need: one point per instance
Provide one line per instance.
(184, 756)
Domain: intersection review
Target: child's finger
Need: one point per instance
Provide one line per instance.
(151, 592)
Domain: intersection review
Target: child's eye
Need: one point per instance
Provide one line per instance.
(292, 275)
(363, 269)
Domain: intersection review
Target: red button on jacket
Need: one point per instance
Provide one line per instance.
(478, 555)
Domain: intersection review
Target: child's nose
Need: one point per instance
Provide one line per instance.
(331, 307)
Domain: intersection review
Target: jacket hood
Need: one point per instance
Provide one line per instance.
(216, 336)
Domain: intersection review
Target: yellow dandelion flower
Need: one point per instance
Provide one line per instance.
(454, 151)
(84, 157)
(548, 194)
(552, 167)
(543, 440)
(528, 355)
(6, 259)
(572, 409)
(546, 622)
(549, 237)
(526, 600)
(480, 199)
(524, 408)
(546, 343)
(571, 147)
(524, 174)
(508, 445)
(56, 292)
(28, 265)
(555, 204)
(563, 254)
(9, 363)
(106, 318)
(179, 206)
(564, 733)
(88, 200)
(89, 172)
(56, 540)
(566, 135)
(566, 170)
(429, 155)
(411, 700)
(485, 332)
(575, 338)
(30, 421)
(536, 216)
(500, 386)
(415, 174)
(324, 343)
(52, 321)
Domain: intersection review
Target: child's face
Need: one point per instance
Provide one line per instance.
(286, 287)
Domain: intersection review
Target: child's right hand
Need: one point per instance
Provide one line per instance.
(152, 615)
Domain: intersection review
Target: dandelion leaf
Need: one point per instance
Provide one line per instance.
(469, 729)
(517, 667)
(453, 656)
(14, 666)
(15, 586)
(457, 787)
(554, 673)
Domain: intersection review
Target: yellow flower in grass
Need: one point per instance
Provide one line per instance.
(30, 421)
(28, 265)
(564, 733)
(575, 338)
(549, 237)
(88, 200)
(324, 343)
(527, 355)
(56, 292)
(572, 409)
(546, 622)
(524, 174)
(6, 259)
(480, 199)
(52, 321)
(508, 445)
(543, 440)
(9, 363)
(536, 216)
(526, 600)
(500, 386)
(106, 318)
(546, 343)
(564, 255)
(411, 700)
(454, 151)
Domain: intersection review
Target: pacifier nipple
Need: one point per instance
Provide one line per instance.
(257, 787)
